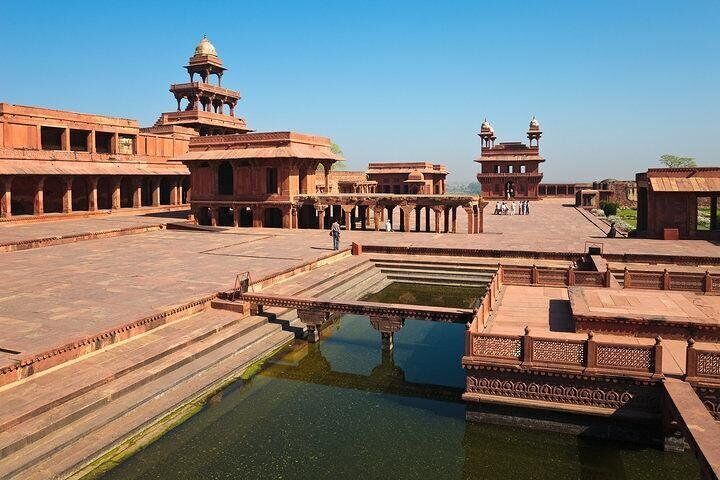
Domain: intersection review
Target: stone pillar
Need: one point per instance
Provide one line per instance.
(321, 216)
(295, 214)
(377, 213)
(470, 219)
(418, 211)
(438, 218)
(6, 197)
(427, 219)
(93, 194)
(454, 219)
(38, 201)
(258, 216)
(387, 326)
(174, 200)
(446, 214)
(713, 212)
(314, 319)
(236, 217)
(137, 193)
(406, 216)
(67, 195)
(180, 190)
(326, 169)
(347, 215)
(156, 192)
(214, 216)
(116, 193)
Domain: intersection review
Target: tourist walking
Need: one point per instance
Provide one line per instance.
(512, 209)
(335, 234)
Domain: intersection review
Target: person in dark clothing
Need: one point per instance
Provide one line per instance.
(612, 233)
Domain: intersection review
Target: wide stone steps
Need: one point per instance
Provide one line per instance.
(65, 427)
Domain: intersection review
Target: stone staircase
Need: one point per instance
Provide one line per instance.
(57, 421)
(453, 273)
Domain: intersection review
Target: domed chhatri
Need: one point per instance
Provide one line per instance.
(486, 127)
(205, 47)
(534, 124)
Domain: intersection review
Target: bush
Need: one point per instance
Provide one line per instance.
(610, 208)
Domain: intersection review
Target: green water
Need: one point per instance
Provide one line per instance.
(431, 295)
(343, 409)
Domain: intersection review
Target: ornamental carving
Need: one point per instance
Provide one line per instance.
(558, 352)
(625, 357)
(710, 397)
(589, 279)
(552, 277)
(708, 364)
(689, 282)
(496, 347)
(652, 281)
(619, 394)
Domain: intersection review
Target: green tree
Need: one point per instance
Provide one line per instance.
(673, 161)
(340, 164)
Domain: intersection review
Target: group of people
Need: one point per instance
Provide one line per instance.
(512, 208)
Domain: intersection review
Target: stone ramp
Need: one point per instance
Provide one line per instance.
(65, 417)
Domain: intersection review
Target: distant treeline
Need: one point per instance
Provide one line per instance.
(467, 188)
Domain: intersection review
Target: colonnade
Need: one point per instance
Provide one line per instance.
(40, 194)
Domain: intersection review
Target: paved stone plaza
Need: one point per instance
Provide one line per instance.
(56, 294)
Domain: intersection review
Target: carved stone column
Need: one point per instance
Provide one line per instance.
(347, 214)
(6, 197)
(314, 319)
(418, 211)
(387, 326)
(427, 219)
(214, 216)
(446, 214)
(295, 215)
(174, 198)
(406, 209)
(38, 201)
(377, 214)
(236, 217)
(115, 193)
(155, 192)
(470, 219)
(93, 194)
(320, 210)
(438, 218)
(137, 193)
(454, 219)
(67, 195)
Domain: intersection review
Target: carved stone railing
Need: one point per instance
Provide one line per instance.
(702, 371)
(438, 314)
(665, 280)
(486, 305)
(585, 356)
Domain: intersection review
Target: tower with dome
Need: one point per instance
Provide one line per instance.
(510, 170)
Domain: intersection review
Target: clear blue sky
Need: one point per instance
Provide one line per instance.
(614, 84)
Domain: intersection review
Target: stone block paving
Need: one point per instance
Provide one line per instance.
(57, 294)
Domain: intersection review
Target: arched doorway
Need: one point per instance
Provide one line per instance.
(272, 218)
(165, 190)
(104, 193)
(225, 179)
(53, 191)
(203, 216)
(509, 189)
(126, 192)
(80, 194)
(22, 195)
(225, 217)
(307, 216)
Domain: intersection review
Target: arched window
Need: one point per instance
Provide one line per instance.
(225, 179)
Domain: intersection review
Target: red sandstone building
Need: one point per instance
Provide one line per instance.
(413, 177)
(510, 170)
(54, 161)
(678, 203)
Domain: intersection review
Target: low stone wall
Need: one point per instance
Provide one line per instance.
(77, 237)
(702, 371)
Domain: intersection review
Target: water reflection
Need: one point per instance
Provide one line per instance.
(343, 408)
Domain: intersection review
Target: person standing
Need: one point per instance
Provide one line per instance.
(388, 225)
(512, 208)
(527, 208)
(335, 234)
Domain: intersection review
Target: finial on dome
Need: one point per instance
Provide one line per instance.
(534, 124)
